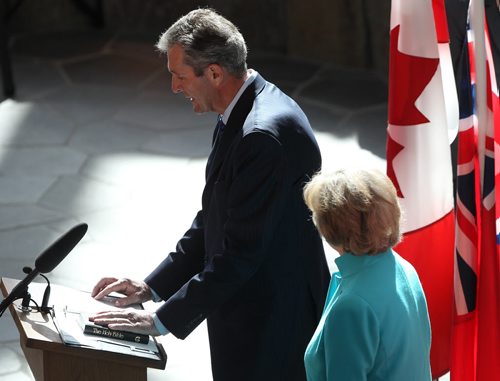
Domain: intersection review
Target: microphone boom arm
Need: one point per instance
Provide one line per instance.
(18, 291)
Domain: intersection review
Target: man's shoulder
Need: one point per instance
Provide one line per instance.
(272, 111)
(272, 103)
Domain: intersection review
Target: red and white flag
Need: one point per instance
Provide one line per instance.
(422, 112)
(488, 292)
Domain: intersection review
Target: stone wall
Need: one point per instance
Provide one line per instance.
(350, 33)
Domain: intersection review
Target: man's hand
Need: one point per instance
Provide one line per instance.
(135, 291)
(131, 320)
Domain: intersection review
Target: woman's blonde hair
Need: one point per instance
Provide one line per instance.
(356, 210)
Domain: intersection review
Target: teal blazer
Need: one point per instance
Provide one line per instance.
(375, 323)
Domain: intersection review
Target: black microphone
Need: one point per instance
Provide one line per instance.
(55, 253)
(46, 262)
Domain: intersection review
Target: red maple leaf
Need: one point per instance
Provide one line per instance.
(393, 148)
(408, 77)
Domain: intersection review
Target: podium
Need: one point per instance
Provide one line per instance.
(51, 360)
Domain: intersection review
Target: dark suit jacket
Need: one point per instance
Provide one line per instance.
(252, 262)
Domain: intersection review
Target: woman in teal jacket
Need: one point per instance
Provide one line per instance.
(375, 323)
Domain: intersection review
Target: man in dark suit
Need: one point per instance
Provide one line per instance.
(252, 263)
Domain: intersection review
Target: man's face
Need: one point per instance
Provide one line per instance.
(199, 90)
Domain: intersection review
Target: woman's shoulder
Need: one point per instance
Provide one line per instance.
(351, 305)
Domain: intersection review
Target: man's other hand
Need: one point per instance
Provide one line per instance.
(134, 291)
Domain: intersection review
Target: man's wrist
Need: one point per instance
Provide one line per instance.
(154, 296)
(159, 325)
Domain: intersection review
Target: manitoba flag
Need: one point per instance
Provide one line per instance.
(463, 363)
(422, 110)
(476, 336)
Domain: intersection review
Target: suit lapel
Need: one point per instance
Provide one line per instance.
(233, 127)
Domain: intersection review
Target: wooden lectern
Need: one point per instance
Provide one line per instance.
(51, 360)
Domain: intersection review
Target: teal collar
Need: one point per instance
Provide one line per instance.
(350, 264)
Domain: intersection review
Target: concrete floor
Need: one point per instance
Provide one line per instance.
(95, 135)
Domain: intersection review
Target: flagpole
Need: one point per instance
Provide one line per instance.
(477, 24)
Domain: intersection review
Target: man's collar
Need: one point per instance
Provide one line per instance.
(252, 74)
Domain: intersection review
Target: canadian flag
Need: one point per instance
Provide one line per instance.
(422, 121)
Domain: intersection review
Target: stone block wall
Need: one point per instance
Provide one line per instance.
(348, 33)
(345, 33)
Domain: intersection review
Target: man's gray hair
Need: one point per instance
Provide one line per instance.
(207, 38)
